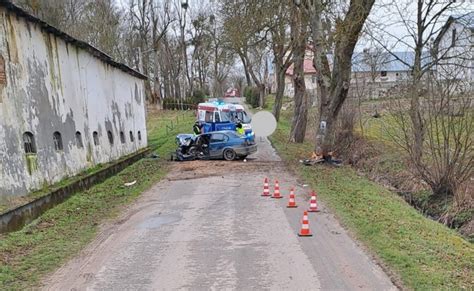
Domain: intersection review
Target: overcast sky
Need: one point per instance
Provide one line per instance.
(386, 20)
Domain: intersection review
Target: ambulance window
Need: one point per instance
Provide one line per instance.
(217, 117)
(246, 118)
(208, 117)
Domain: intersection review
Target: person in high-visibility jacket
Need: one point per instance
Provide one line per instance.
(239, 129)
(197, 128)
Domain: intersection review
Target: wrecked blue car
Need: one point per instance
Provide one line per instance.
(227, 145)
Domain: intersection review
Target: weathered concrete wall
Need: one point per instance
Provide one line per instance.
(51, 86)
(16, 218)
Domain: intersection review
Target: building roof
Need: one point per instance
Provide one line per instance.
(466, 20)
(307, 67)
(69, 39)
(390, 62)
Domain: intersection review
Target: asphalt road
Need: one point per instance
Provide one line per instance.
(206, 227)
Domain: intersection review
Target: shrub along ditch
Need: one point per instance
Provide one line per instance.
(425, 254)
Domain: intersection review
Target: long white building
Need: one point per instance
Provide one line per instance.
(64, 105)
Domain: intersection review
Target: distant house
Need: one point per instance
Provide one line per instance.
(455, 44)
(375, 73)
(309, 78)
(65, 106)
(232, 92)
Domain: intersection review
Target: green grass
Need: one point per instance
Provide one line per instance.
(159, 138)
(425, 254)
(26, 256)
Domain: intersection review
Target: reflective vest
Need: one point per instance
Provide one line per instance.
(196, 129)
(240, 131)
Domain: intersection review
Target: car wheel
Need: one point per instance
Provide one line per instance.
(196, 153)
(229, 154)
(193, 151)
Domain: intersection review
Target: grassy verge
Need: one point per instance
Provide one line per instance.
(425, 254)
(41, 247)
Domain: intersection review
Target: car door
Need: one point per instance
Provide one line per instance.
(217, 144)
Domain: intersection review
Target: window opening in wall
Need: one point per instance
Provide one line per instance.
(79, 140)
(111, 137)
(122, 137)
(139, 135)
(58, 142)
(95, 136)
(383, 73)
(132, 139)
(3, 75)
(29, 143)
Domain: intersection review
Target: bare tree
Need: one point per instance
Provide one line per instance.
(181, 8)
(279, 18)
(447, 159)
(334, 84)
(246, 30)
(201, 40)
(299, 38)
(427, 130)
(420, 32)
(161, 19)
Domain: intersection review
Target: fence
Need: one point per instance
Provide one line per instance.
(173, 123)
(179, 106)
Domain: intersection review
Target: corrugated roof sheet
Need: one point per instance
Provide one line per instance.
(395, 61)
(466, 19)
(69, 39)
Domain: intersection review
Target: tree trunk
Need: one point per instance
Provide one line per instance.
(177, 88)
(246, 70)
(415, 114)
(185, 58)
(300, 116)
(334, 86)
(261, 100)
(279, 93)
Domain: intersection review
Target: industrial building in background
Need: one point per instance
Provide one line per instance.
(65, 106)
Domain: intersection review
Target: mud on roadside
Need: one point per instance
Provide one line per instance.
(200, 169)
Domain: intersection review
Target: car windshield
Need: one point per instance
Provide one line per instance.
(236, 116)
(242, 115)
(224, 117)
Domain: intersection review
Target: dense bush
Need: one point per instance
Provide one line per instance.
(179, 104)
(198, 96)
(252, 96)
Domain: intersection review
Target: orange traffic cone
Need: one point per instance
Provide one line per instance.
(313, 204)
(266, 190)
(305, 231)
(291, 201)
(276, 193)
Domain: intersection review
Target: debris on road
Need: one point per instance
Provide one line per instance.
(319, 159)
